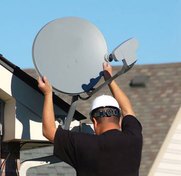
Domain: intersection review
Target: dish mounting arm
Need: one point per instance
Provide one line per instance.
(123, 70)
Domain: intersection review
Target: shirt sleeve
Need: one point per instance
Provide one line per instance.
(130, 124)
(64, 146)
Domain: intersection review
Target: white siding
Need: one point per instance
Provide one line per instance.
(168, 161)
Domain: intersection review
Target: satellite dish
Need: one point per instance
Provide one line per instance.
(70, 52)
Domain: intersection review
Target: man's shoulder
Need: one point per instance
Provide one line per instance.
(131, 124)
(131, 119)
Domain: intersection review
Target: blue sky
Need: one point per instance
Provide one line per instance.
(155, 24)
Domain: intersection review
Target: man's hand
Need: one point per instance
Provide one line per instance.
(107, 70)
(44, 85)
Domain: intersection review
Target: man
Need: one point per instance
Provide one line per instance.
(110, 152)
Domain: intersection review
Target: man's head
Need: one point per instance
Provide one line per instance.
(105, 114)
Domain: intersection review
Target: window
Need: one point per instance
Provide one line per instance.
(1, 116)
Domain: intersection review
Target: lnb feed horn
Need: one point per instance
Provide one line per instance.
(125, 51)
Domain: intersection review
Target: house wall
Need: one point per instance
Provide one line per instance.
(168, 160)
(23, 109)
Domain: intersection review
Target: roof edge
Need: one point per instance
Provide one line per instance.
(34, 84)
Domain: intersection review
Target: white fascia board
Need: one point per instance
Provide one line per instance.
(5, 83)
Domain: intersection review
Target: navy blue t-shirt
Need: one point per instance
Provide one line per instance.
(113, 153)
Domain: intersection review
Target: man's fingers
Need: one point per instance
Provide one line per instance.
(45, 80)
(44, 85)
(105, 65)
(41, 81)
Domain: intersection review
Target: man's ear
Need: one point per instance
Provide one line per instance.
(94, 121)
(120, 121)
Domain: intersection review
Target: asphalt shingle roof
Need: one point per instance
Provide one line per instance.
(155, 105)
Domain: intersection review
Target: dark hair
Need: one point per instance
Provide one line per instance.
(106, 114)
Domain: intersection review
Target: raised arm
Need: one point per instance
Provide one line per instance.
(48, 117)
(118, 94)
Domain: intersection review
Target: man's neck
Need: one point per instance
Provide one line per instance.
(106, 127)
